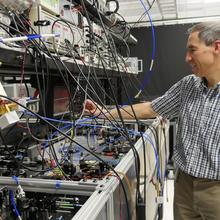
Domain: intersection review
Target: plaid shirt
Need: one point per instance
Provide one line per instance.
(197, 108)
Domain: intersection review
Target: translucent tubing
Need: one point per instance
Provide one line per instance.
(28, 37)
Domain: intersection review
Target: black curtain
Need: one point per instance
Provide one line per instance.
(169, 63)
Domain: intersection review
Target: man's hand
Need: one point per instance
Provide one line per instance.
(91, 108)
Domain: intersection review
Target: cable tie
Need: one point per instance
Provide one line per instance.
(151, 65)
(15, 178)
(138, 94)
(15, 210)
(33, 36)
(19, 156)
(58, 184)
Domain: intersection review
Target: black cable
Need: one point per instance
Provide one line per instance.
(53, 60)
(107, 74)
(60, 71)
(156, 138)
(54, 156)
(136, 156)
(18, 163)
(120, 24)
(42, 98)
(127, 73)
(165, 141)
(150, 5)
(90, 96)
(47, 51)
(142, 16)
(142, 141)
(22, 26)
(72, 140)
(101, 59)
(67, 23)
(87, 16)
(94, 77)
(138, 165)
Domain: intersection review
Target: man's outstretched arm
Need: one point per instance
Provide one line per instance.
(142, 110)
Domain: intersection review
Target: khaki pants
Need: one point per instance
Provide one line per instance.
(195, 198)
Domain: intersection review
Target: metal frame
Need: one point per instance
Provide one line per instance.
(106, 195)
(104, 204)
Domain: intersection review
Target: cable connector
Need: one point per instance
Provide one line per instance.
(20, 192)
(159, 200)
(138, 94)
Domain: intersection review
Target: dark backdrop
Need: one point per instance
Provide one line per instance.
(169, 64)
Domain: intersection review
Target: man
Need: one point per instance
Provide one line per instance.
(195, 101)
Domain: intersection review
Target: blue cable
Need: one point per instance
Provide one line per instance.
(61, 121)
(156, 157)
(13, 204)
(97, 126)
(155, 152)
(15, 178)
(78, 123)
(62, 129)
(91, 125)
(152, 28)
(100, 126)
(45, 145)
(58, 184)
(27, 37)
(149, 73)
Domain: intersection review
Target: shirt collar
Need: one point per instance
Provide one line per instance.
(204, 84)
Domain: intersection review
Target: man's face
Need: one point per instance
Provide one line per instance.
(199, 56)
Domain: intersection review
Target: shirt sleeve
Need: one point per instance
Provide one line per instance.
(168, 105)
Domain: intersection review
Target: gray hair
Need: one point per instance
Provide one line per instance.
(209, 32)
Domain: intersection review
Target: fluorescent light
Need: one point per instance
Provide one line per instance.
(211, 1)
